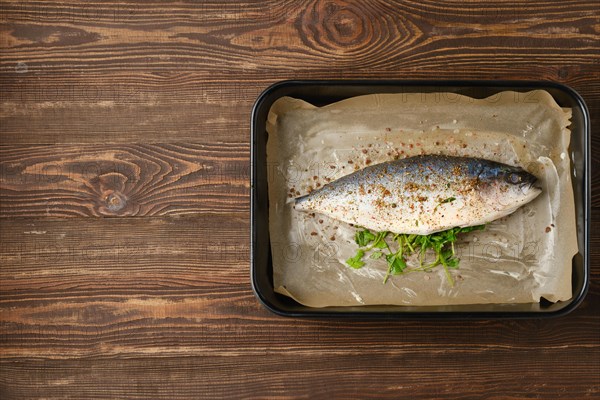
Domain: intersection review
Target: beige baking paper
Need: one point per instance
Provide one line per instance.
(517, 259)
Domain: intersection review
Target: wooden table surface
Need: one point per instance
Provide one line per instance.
(124, 203)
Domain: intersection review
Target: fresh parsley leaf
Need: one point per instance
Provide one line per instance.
(448, 200)
(364, 237)
(356, 262)
(440, 243)
(396, 264)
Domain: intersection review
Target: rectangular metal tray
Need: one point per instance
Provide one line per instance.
(321, 93)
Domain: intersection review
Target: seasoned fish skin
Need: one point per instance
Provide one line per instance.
(424, 194)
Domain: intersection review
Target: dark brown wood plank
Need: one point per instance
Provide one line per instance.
(157, 70)
(595, 166)
(183, 107)
(287, 35)
(147, 108)
(123, 180)
(465, 373)
(230, 320)
(51, 259)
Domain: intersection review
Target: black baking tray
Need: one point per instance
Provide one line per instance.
(321, 93)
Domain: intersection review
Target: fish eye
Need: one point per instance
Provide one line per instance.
(514, 178)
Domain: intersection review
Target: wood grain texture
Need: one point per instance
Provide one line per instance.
(148, 67)
(376, 375)
(124, 182)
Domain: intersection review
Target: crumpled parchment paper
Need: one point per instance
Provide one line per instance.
(517, 259)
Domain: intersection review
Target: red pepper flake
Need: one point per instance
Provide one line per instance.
(411, 146)
(548, 229)
(313, 233)
(315, 177)
(332, 166)
(437, 143)
(320, 221)
(350, 162)
(364, 151)
(318, 184)
(368, 161)
(332, 238)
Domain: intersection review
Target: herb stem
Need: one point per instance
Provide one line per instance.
(448, 275)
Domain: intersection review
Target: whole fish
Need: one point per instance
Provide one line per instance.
(424, 194)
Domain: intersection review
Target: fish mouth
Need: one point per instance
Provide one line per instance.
(530, 181)
(534, 184)
(531, 188)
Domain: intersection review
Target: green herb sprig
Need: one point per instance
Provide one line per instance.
(441, 243)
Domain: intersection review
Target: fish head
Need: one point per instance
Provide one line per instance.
(510, 187)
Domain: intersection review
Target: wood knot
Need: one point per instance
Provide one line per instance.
(113, 191)
(356, 31)
(337, 25)
(563, 72)
(115, 201)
